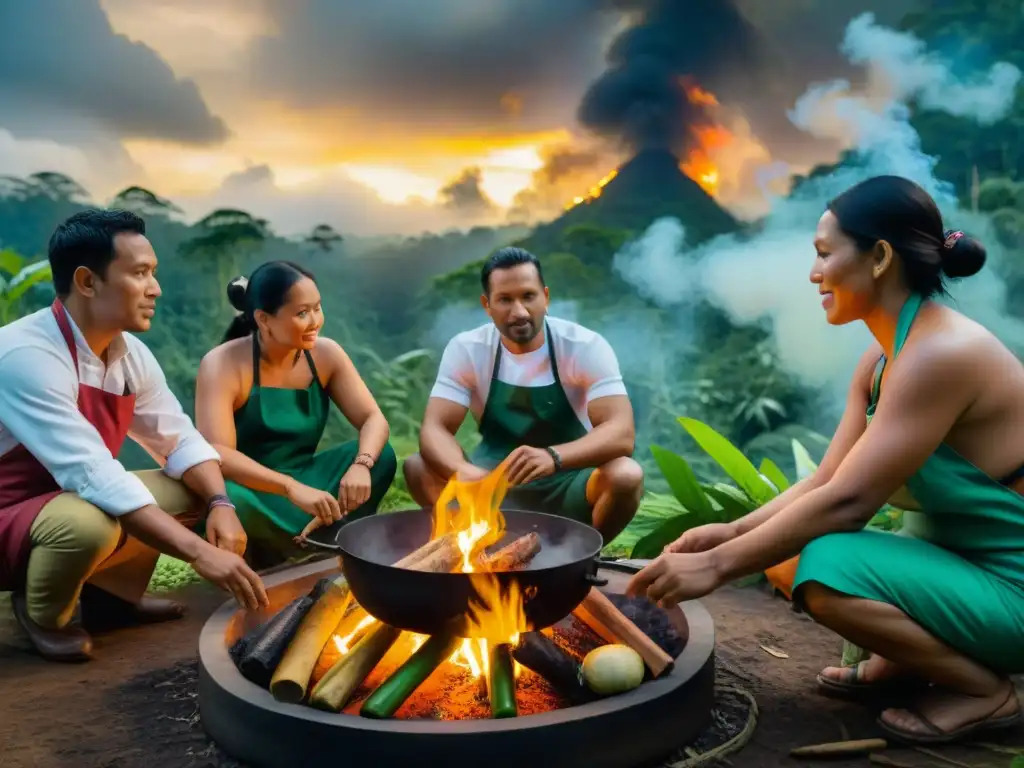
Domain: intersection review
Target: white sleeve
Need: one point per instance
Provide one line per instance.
(161, 425)
(597, 370)
(455, 375)
(39, 406)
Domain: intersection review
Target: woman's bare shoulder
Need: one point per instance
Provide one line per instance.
(231, 357)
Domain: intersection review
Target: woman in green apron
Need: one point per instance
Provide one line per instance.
(262, 400)
(938, 426)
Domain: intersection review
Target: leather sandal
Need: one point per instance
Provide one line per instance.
(69, 644)
(851, 687)
(935, 735)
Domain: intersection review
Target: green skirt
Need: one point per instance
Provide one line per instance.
(271, 521)
(969, 608)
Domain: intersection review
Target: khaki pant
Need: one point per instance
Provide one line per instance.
(74, 542)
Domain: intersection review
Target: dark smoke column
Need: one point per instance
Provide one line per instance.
(640, 99)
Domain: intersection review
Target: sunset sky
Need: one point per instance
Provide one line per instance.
(383, 116)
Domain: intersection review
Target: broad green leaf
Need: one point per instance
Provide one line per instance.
(682, 481)
(775, 475)
(652, 544)
(805, 466)
(732, 502)
(655, 509)
(11, 262)
(26, 278)
(731, 459)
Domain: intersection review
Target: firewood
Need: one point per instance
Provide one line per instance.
(442, 559)
(291, 678)
(392, 693)
(337, 686)
(502, 688)
(258, 654)
(540, 655)
(513, 556)
(836, 748)
(601, 615)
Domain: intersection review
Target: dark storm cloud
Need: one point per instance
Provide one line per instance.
(443, 63)
(63, 55)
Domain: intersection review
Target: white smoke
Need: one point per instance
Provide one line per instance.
(764, 277)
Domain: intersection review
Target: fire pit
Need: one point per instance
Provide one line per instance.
(448, 716)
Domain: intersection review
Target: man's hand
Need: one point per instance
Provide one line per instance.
(526, 464)
(354, 489)
(229, 572)
(470, 473)
(224, 530)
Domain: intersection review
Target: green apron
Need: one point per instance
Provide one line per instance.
(956, 568)
(281, 429)
(540, 417)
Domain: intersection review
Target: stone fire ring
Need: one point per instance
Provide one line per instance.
(641, 726)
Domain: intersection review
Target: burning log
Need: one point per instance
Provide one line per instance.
(539, 654)
(441, 559)
(337, 686)
(502, 689)
(258, 653)
(512, 556)
(392, 693)
(429, 549)
(601, 615)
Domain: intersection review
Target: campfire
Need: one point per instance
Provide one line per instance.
(324, 650)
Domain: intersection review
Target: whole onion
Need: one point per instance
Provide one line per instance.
(613, 669)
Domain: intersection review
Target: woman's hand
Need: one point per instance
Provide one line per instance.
(354, 489)
(672, 578)
(702, 538)
(319, 504)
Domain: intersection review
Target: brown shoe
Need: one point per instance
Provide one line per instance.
(100, 608)
(70, 644)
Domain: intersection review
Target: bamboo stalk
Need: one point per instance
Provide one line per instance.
(392, 693)
(341, 681)
(291, 678)
(601, 615)
(502, 689)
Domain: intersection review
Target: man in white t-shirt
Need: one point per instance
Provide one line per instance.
(546, 393)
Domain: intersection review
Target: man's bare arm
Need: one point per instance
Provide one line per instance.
(613, 435)
(438, 446)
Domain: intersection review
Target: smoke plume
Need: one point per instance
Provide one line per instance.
(763, 278)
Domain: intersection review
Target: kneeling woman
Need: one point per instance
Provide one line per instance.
(935, 422)
(263, 399)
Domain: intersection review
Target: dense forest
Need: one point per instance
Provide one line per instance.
(392, 303)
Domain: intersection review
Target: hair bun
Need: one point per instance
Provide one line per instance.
(962, 255)
(236, 292)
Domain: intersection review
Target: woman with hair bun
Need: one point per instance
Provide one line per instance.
(934, 423)
(262, 400)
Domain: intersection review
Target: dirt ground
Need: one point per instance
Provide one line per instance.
(135, 705)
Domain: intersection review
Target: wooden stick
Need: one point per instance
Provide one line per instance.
(601, 615)
(443, 559)
(512, 556)
(835, 748)
(428, 549)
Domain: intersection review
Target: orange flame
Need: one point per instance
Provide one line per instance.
(709, 140)
(594, 192)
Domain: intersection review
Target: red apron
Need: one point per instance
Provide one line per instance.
(25, 485)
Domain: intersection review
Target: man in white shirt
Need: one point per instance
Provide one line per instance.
(73, 386)
(546, 393)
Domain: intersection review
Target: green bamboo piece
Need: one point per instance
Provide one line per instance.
(392, 693)
(503, 682)
(337, 686)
